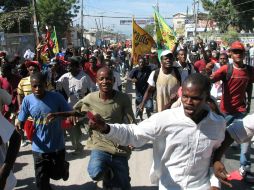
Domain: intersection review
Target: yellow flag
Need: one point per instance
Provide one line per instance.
(165, 35)
(141, 42)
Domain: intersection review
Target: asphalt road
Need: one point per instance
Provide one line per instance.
(139, 163)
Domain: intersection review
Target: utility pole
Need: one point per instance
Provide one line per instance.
(102, 30)
(35, 22)
(157, 6)
(82, 23)
(194, 17)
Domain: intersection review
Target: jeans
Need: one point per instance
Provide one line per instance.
(148, 104)
(245, 147)
(112, 169)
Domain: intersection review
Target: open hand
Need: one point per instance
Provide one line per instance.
(221, 173)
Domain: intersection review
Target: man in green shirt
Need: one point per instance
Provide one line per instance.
(108, 160)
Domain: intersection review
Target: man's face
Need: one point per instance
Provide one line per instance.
(223, 59)
(38, 88)
(181, 56)
(167, 61)
(105, 81)
(193, 99)
(141, 63)
(32, 69)
(237, 55)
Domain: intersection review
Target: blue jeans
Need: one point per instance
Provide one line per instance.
(245, 147)
(101, 164)
(148, 104)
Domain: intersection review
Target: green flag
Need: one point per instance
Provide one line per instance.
(54, 39)
(164, 34)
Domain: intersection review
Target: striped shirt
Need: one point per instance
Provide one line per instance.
(24, 87)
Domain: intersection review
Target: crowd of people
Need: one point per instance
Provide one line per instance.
(202, 92)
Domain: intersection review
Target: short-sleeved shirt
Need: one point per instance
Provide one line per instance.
(167, 86)
(47, 137)
(75, 87)
(233, 98)
(24, 87)
(142, 77)
(115, 110)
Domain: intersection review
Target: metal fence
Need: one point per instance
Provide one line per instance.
(17, 43)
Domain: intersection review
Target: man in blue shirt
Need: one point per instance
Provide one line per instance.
(48, 145)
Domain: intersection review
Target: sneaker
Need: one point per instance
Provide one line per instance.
(24, 143)
(243, 170)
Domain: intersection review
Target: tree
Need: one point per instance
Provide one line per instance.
(230, 13)
(16, 16)
(149, 28)
(56, 13)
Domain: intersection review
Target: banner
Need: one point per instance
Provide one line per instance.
(54, 39)
(165, 36)
(142, 42)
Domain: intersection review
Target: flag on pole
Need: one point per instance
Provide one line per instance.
(165, 36)
(54, 39)
(142, 42)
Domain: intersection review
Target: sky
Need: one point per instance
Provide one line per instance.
(128, 8)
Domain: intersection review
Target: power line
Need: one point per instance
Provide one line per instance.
(243, 3)
(126, 17)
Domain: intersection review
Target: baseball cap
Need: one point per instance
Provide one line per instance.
(32, 63)
(237, 45)
(166, 52)
(76, 60)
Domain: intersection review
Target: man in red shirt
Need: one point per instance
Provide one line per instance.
(91, 68)
(233, 101)
(200, 65)
(9, 82)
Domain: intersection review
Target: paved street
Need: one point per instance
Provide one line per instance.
(140, 163)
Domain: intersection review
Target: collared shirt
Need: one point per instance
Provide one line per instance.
(75, 87)
(182, 149)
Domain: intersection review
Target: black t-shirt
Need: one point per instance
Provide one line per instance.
(142, 77)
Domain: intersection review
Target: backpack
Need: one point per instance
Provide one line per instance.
(177, 74)
(230, 71)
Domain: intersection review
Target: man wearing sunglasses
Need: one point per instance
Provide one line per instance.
(234, 103)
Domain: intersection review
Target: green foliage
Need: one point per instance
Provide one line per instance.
(56, 13)
(11, 5)
(150, 29)
(230, 13)
(230, 36)
(9, 20)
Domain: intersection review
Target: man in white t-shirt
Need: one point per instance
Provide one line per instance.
(75, 85)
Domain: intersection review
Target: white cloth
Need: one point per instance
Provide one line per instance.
(5, 98)
(181, 149)
(75, 87)
(6, 130)
(216, 90)
(29, 55)
(251, 51)
(242, 130)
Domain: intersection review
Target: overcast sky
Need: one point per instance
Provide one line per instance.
(129, 8)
